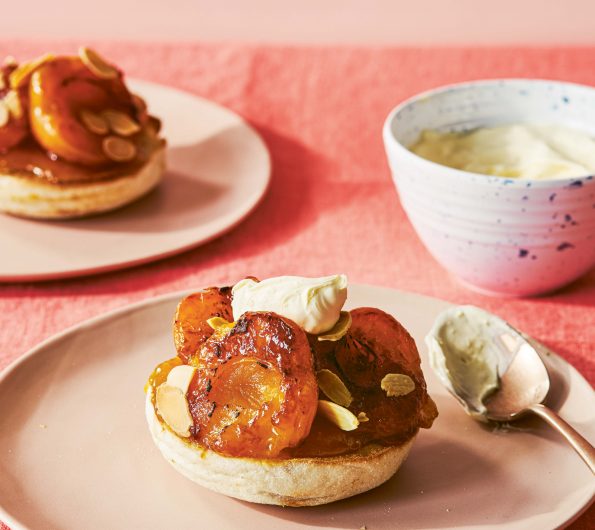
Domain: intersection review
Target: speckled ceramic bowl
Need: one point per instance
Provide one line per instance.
(499, 236)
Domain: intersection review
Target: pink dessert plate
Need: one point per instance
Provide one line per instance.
(75, 450)
(218, 170)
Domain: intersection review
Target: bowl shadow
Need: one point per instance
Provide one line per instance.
(580, 292)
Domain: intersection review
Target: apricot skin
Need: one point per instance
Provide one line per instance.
(375, 345)
(255, 393)
(190, 321)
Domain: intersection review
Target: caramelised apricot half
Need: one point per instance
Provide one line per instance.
(60, 90)
(378, 363)
(377, 348)
(190, 322)
(255, 391)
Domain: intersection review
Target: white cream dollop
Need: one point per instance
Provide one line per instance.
(524, 151)
(312, 303)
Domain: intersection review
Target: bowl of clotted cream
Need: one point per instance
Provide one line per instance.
(496, 177)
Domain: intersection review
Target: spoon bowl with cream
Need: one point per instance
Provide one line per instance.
(496, 178)
(494, 372)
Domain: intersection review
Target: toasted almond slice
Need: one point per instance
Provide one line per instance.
(121, 123)
(153, 125)
(333, 387)
(219, 323)
(4, 114)
(139, 103)
(362, 417)
(172, 406)
(94, 122)
(181, 377)
(118, 149)
(97, 64)
(340, 416)
(13, 103)
(21, 74)
(221, 327)
(397, 385)
(9, 60)
(340, 328)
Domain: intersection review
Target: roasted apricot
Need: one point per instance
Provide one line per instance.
(255, 392)
(190, 321)
(377, 345)
(66, 104)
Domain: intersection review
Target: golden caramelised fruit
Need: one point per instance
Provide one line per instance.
(67, 112)
(255, 392)
(190, 321)
(375, 345)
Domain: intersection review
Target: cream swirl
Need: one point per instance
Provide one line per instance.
(312, 303)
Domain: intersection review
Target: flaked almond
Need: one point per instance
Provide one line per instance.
(13, 104)
(397, 385)
(4, 114)
(97, 64)
(331, 384)
(153, 124)
(181, 377)
(172, 406)
(218, 323)
(340, 328)
(21, 75)
(9, 60)
(121, 123)
(362, 417)
(138, 102)
(118, 149)
(94, 122)
(338, 415)
(221, 327)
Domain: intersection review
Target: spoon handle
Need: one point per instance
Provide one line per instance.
(580, 444)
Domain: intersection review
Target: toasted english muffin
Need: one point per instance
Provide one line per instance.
(285, 482)
(29, 197)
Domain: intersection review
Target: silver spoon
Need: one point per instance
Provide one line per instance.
(523, 380)
(523, 389)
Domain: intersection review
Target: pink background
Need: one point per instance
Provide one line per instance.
(307, 21)
(332, 206)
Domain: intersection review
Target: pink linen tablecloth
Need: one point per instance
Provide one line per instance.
(331, 206)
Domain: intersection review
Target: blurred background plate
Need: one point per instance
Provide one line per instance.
(218, 170)
(75, 449)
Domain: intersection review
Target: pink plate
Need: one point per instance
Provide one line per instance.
(218, 170)
(76, 453)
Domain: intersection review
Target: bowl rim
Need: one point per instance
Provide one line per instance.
(461, 174)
